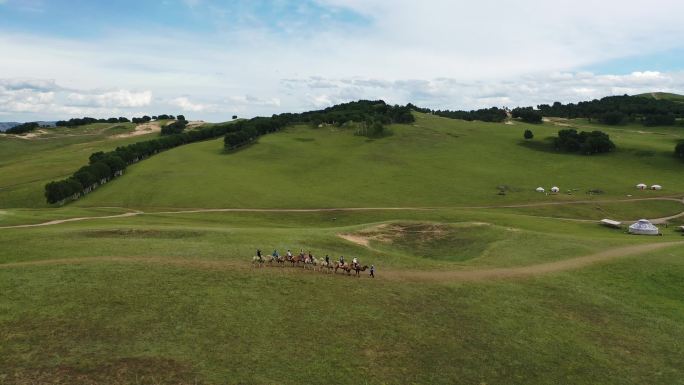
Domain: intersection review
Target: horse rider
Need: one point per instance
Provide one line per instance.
(327, 260)
(355, 262)
(372, 271)
(289, 255)
(275, 254)
(310, 257)
(341, 260)
(259, 255)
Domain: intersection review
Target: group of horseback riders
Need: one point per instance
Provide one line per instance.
(308, 258)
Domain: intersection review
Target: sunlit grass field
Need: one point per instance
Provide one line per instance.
(167, 296)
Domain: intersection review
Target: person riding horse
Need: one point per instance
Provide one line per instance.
(341, 260)
(355, 262)
(258, 253)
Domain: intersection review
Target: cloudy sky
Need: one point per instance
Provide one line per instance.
(211, 59)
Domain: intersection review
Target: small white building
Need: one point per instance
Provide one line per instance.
(540, 190)
(611, 223)
(641, 186)
(643, 227)
(555, 189)
(656, 187)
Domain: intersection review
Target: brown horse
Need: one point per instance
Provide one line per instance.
(296, 259)
(346, 267)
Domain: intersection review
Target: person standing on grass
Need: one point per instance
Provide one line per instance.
(372, 271)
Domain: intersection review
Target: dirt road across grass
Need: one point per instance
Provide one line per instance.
(477, 275)
(348, 209)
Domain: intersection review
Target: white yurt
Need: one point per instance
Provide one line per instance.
(555, 189)
(643, 227)
(641, 186)
(656, 187)
(540, 189)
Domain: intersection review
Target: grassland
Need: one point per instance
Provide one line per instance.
(26, 165)
(167, 295)
(435, 163)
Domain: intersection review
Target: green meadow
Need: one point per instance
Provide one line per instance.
(480, 279)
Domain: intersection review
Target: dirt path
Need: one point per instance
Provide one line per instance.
(60, 221)
(349, 209)
(486, 274)
(528, 271)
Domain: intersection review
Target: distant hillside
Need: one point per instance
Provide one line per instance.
(663, 96)
(4, 126)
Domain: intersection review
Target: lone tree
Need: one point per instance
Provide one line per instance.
(528, 134)
(679, 150)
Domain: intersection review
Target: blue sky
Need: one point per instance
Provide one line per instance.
(211, 59)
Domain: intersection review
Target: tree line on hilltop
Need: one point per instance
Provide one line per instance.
(493, 114)
(614, 110)
(368, 113)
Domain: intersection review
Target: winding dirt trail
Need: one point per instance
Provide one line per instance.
(350, 209)
(78, 219)
(475, 275)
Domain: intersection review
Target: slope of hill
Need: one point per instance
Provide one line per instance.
(663, 96)
(436, 162)
(28, 162)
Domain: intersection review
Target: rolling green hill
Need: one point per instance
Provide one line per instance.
(663, 96)
(435, 162)
(150, 279)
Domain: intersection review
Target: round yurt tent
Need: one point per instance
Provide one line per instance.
(643, 227)
(540, 189)
(641, 186)
(555, 189)
(656, 187)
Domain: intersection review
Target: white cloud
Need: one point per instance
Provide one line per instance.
(441, 53)
(112, 99)
(186, 105)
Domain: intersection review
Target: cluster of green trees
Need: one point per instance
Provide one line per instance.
(586, 143)
(372, 130)
(615, 110)
(493, 114)
(103, 166)
(176, 127)
(73, 122)
(23, 128)
(369, 113)
(527, 115)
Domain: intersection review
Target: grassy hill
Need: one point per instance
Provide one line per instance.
(663, 96)
(436, 162)
(137, 286)
(28, 162)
